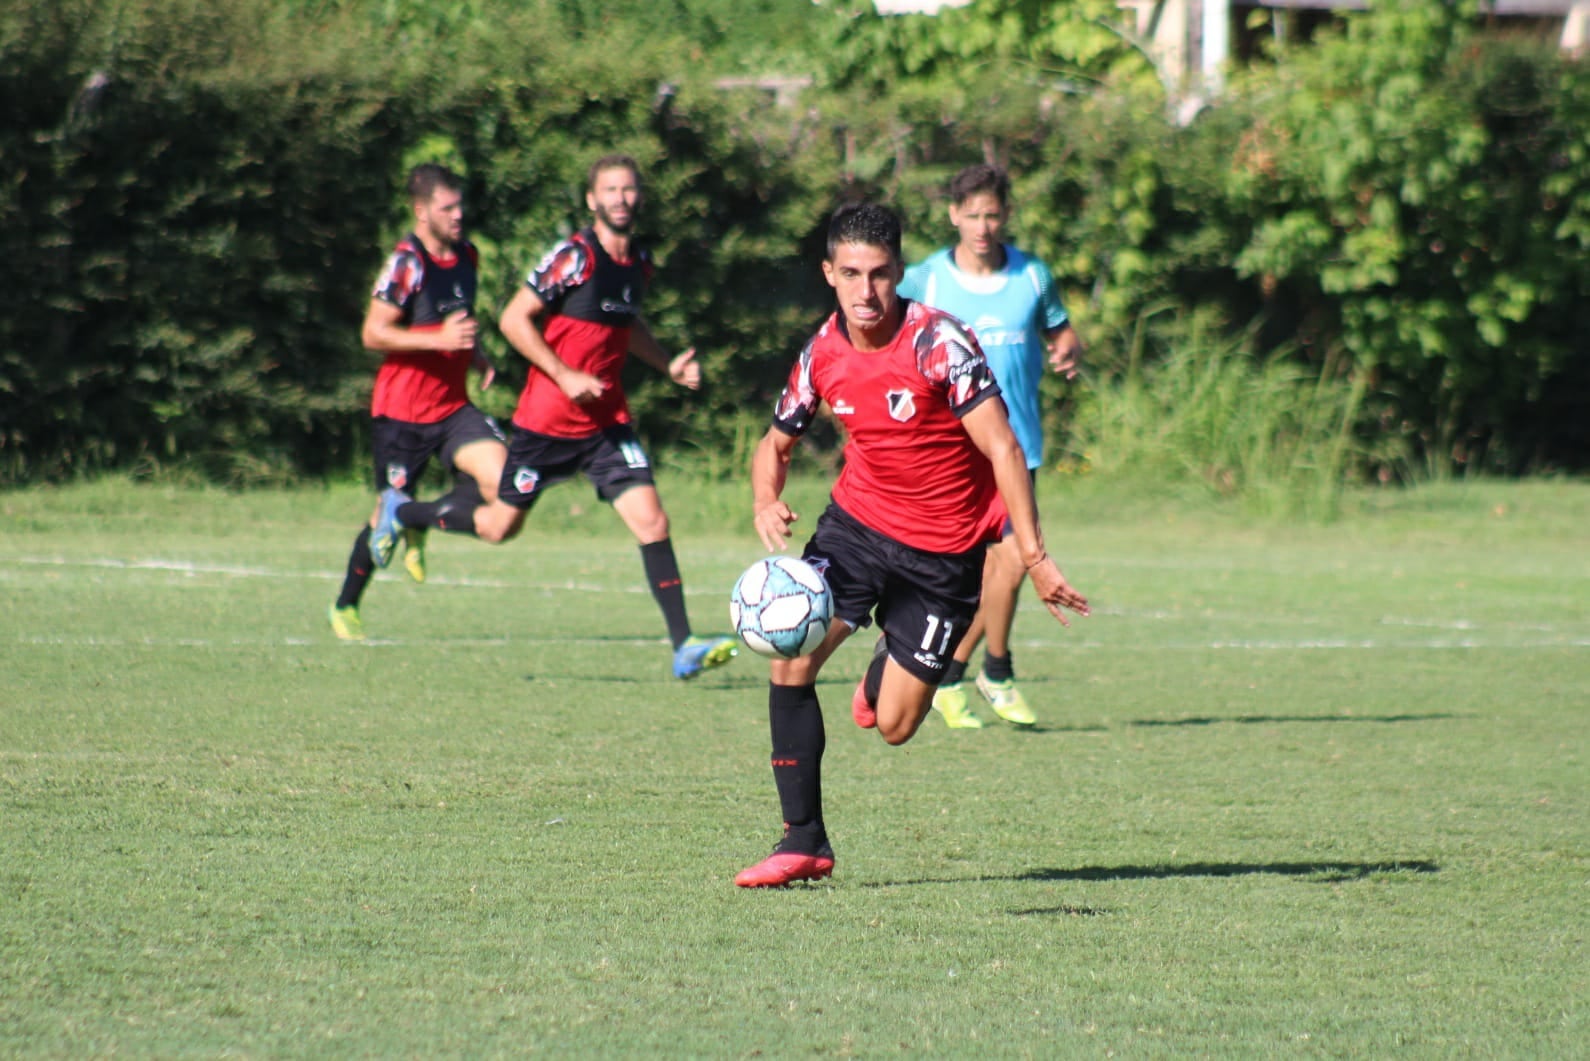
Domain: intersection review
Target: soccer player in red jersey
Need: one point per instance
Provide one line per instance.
(576, 320)
(932, 471)
(421, 317)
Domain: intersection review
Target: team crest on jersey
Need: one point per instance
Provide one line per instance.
(525, 480)
(397, 476)
(902, 406)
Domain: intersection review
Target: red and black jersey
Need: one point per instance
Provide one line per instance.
(911, 471)
(591, 300)
(425, 387)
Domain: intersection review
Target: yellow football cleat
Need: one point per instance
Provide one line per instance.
(414, 552)
(345, 623)
(1006, 700)
(950, 701)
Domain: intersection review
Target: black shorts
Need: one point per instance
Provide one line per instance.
(403, 449)
(923, 601)
(613, 461)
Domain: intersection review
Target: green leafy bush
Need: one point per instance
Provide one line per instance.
(1419, 199)
(199, 195)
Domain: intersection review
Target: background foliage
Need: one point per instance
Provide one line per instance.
(201, 193)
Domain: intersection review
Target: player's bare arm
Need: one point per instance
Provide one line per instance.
(990, 432)
(483, 365)
(385, 331)
(1065, 350)
(518, 326)
(683, 368)
(769, 471)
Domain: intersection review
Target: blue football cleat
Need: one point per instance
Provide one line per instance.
(703, 653)
(384, 536)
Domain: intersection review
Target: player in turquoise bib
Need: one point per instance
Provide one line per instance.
(1009, 300)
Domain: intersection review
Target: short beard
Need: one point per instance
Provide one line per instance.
(448, 242)
(605, 218)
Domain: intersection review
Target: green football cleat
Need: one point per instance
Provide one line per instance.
(414, 552)
(345, 623)
(950, 702)
(703, 653)
(1006, 700)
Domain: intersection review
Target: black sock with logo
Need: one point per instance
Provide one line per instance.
(360, 567)
(662, 574)
(452, 512)
(795, 719)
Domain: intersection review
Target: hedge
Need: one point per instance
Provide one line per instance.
(201, 193)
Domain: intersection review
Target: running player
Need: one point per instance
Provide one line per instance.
(1009, 300)
(421, 316)
(931, 471)
(576, 320)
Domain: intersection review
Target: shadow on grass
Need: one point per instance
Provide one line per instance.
(724, 678)
(1321, 872)
(991, 721)
(1251, 720)
(1061, 911)
(1324, 872)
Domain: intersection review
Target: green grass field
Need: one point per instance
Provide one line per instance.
(1297, 789)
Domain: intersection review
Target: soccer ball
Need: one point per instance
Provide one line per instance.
(781, 607)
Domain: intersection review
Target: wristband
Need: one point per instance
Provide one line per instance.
(1042, 557)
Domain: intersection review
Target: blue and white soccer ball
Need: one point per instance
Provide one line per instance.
(781, 607)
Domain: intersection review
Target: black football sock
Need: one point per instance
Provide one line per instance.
(662, 573)
(954, 672)
(796, 721)
(872, 683)
(454, 512)
(360, 566)
(998, 668)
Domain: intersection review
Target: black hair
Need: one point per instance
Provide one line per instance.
(865, 223)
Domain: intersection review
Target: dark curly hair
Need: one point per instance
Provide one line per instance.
(865, 223)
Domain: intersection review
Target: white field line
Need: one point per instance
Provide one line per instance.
(185, 567)
(189, 568)
(1068, 645)
(310, 642)
(1557, 637)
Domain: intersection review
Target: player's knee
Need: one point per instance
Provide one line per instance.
(652, 527)
(498, 523)
(896, 732)
(802, 671)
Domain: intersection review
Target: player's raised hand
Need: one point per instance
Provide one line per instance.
(458, 331)
(1055, 592)
(685, 370)
(773, 521)
(581, 388)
